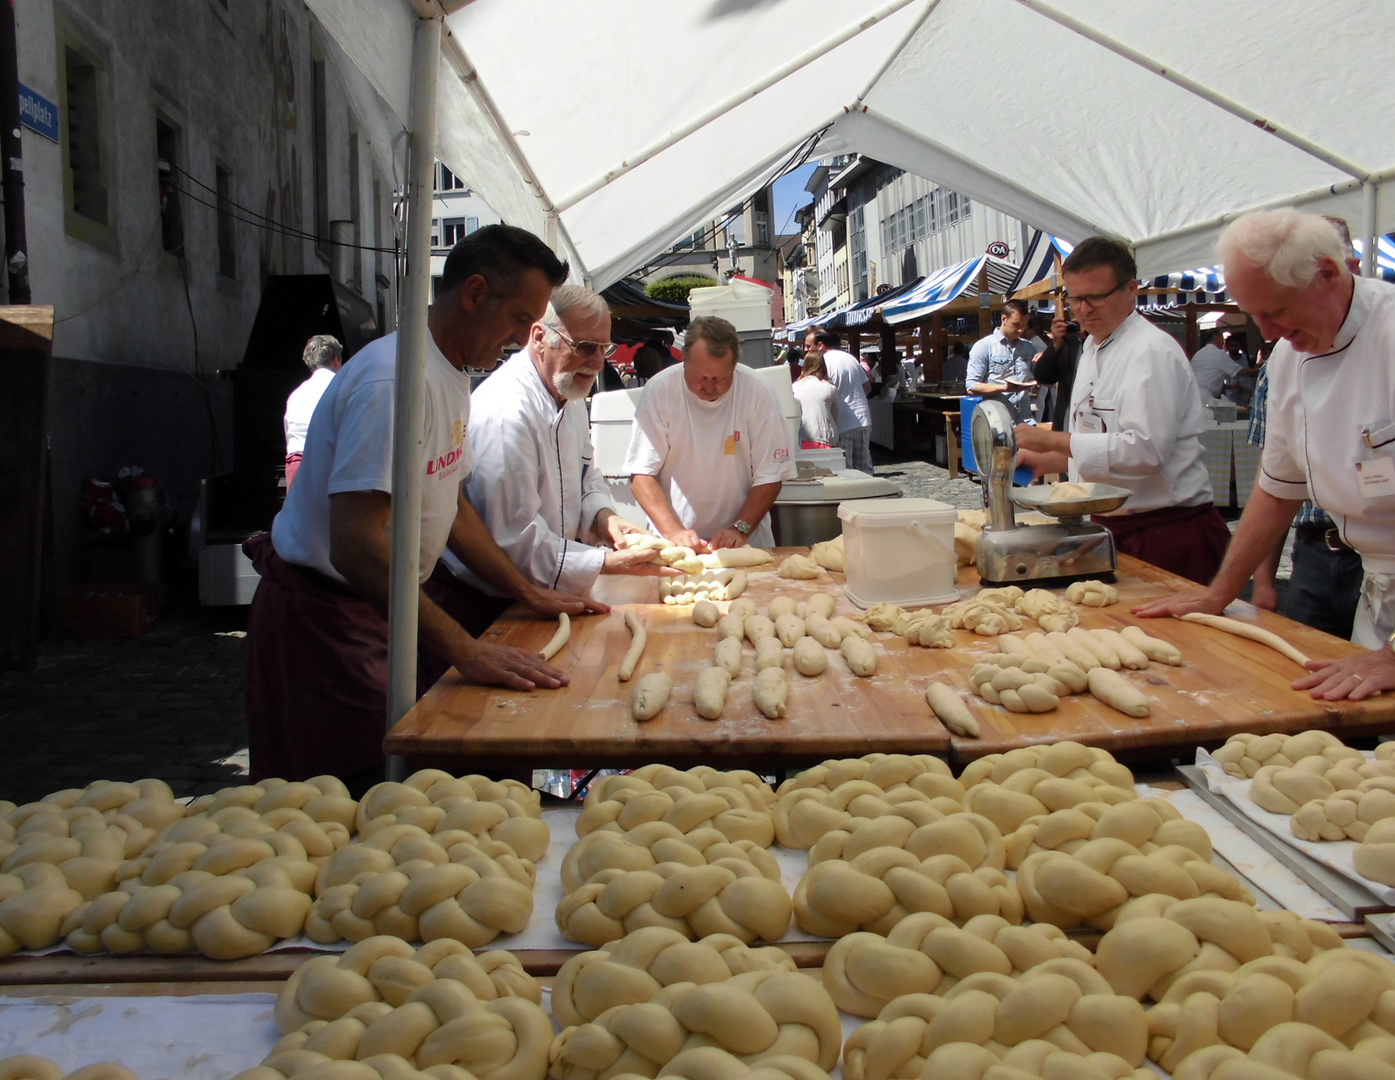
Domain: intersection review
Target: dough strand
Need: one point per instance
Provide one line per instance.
(1245, 630)
(564, 632)
(638, 637)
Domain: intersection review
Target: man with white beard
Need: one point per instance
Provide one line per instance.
(534, 483)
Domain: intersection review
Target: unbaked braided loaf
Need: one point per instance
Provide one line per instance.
(1346, 815)
(1294, 1050)
(1374, 857)
(754, 1016)
(404, 882)
(1347, 993)
(1064, 1003)
(1283, 789)
(1147, 824)
(927, 954)
(388, 969)
(1157, 940)
(713, 1063)
(33, 1067)
(643, 962)
(732, 895)
(438, 802)
(737, 804)
(646, 846)
(308, 1065)
(322, 798)
(1010, 788)
(441, 1023)
(1244, 755)
(920, 829)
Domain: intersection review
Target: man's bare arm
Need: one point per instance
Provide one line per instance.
(758, 502)
(653, 500)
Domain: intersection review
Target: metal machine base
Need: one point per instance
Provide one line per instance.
(1059, 553)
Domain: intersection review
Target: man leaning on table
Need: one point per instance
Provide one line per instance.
(1331, 426)
(535, 484)
(708, 452)
(1135, 422)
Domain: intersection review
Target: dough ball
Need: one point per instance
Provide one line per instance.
(809, 657)
(800, 568)
(705, 613)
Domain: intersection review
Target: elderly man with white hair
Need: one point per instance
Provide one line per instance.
(1331, 426)
(534, 483)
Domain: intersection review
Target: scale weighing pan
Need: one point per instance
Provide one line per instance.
(1102, 499)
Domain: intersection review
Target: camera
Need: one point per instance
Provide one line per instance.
(1072, 327)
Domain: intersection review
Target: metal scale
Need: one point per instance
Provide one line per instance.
(1009, 553)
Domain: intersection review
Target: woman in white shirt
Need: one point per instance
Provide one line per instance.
(818, 404)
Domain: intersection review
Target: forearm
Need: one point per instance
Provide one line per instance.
(471, 541)
(653, 501)
(758, 502)
(987, 388)
(1260, 534)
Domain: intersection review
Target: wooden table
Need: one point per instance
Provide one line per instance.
(1227, 685)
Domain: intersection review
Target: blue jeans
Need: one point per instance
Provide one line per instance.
(1325, 587)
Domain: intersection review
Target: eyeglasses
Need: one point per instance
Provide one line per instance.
(1094, 300)
(588, 349)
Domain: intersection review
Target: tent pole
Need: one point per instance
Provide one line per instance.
(409, 408)
(1369, 229)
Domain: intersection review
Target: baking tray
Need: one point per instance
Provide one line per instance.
(1353, 900)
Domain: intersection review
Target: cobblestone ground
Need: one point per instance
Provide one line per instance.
(169, 703)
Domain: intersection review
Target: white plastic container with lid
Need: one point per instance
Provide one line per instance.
(899, 551)
(778, 379)
(744, 302)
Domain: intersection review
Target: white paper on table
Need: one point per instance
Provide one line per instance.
(207, 1037)
(1336, 854)
(1287, 889)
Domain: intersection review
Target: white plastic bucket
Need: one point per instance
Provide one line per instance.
(743, 303)
(899, 551)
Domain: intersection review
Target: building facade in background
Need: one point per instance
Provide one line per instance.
(458, 213)
(201, 147)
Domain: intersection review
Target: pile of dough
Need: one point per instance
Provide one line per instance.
(1033, 780)
(1244, 755)
(927, 954)
(1069, 491)
(1052, 612)
(1026, 684)
(1346, 993)
(1063, 1009)
(388, 969)
(33, 1067)
(883, 885)
(1157, 940)
(1293, 1050)
(713, 1063)
(1089, 886)
(639, 965)
(1092, 594)
(826, 796)
(725, 584)
(1147, 824)
(922, 627)
(800, 568)
(732, 895)
(441, 1023)
(965, 542)
(986, 617)
(830, 554)
(501, 810)
(753, 1016)
(1346, 815)
(656, 842)
(419, 886)
(738, 803)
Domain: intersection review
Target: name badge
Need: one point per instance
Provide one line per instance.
(1375, 479)
(1090, 423)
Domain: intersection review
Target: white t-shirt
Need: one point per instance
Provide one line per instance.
(1211, 367)
(708, 455)
(847, 375)
(1136, 419)
(349, 448)
(818, 410)
(300, 406)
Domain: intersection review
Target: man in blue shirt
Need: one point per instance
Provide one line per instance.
(1000, 365)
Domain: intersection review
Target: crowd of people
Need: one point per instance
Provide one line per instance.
(514, 510)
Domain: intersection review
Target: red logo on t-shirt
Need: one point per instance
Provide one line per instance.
(782, 454)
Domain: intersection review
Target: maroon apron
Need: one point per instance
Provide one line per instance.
(292, 467)
(317, 658)
(1188, 541)
(474, 610)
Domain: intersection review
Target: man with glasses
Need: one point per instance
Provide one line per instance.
(708, 451)
(1135, 422)
(534, 484)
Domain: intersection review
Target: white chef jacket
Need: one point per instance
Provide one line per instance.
(1321, 409)
(708, 455)
(300, 406)
(847, 375)
(534, 484)
(1136, 419)
(349, 448)
(1211, 367)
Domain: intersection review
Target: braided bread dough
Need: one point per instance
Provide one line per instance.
(1062, 1009)
(1025, 684)
(33, 1067)
(639, 965)
(713, 1063)
(1244, 755)
(826, 796)
(737, 804)
(701, 585)
(434, 800)
(655, 842)
(1034, 780)
(800, 568)
(919, 828)
(1374, 857)
(1293, 1050)
(1092, 594)
(1051, 612)
(1147, 824)
(982, 617)
(1346, 815)
(752, 1016)
(441, 1023)
(388, 969)
(926, 954)
(927, 629)
(1283, 789)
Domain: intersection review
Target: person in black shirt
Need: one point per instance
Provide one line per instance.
(1056, 366)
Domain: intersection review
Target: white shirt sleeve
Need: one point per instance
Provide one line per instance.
(648, 437)
(771, 457)
(1141, 428)
(1281, 470)
(595, 495)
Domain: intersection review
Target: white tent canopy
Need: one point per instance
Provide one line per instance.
(635, 121)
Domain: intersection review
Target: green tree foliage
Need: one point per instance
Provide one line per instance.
(675, 289)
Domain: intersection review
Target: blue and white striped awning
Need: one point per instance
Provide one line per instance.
(1385, 256)
(943, 286)
(1204, 286)
(1040, 260)
(864, 310)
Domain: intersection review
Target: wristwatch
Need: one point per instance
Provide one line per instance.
(743, 527)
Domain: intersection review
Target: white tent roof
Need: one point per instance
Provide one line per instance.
(637, 120)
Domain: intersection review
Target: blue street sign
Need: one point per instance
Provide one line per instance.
(37, 113)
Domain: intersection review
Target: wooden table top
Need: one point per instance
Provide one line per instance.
(1226, 685)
